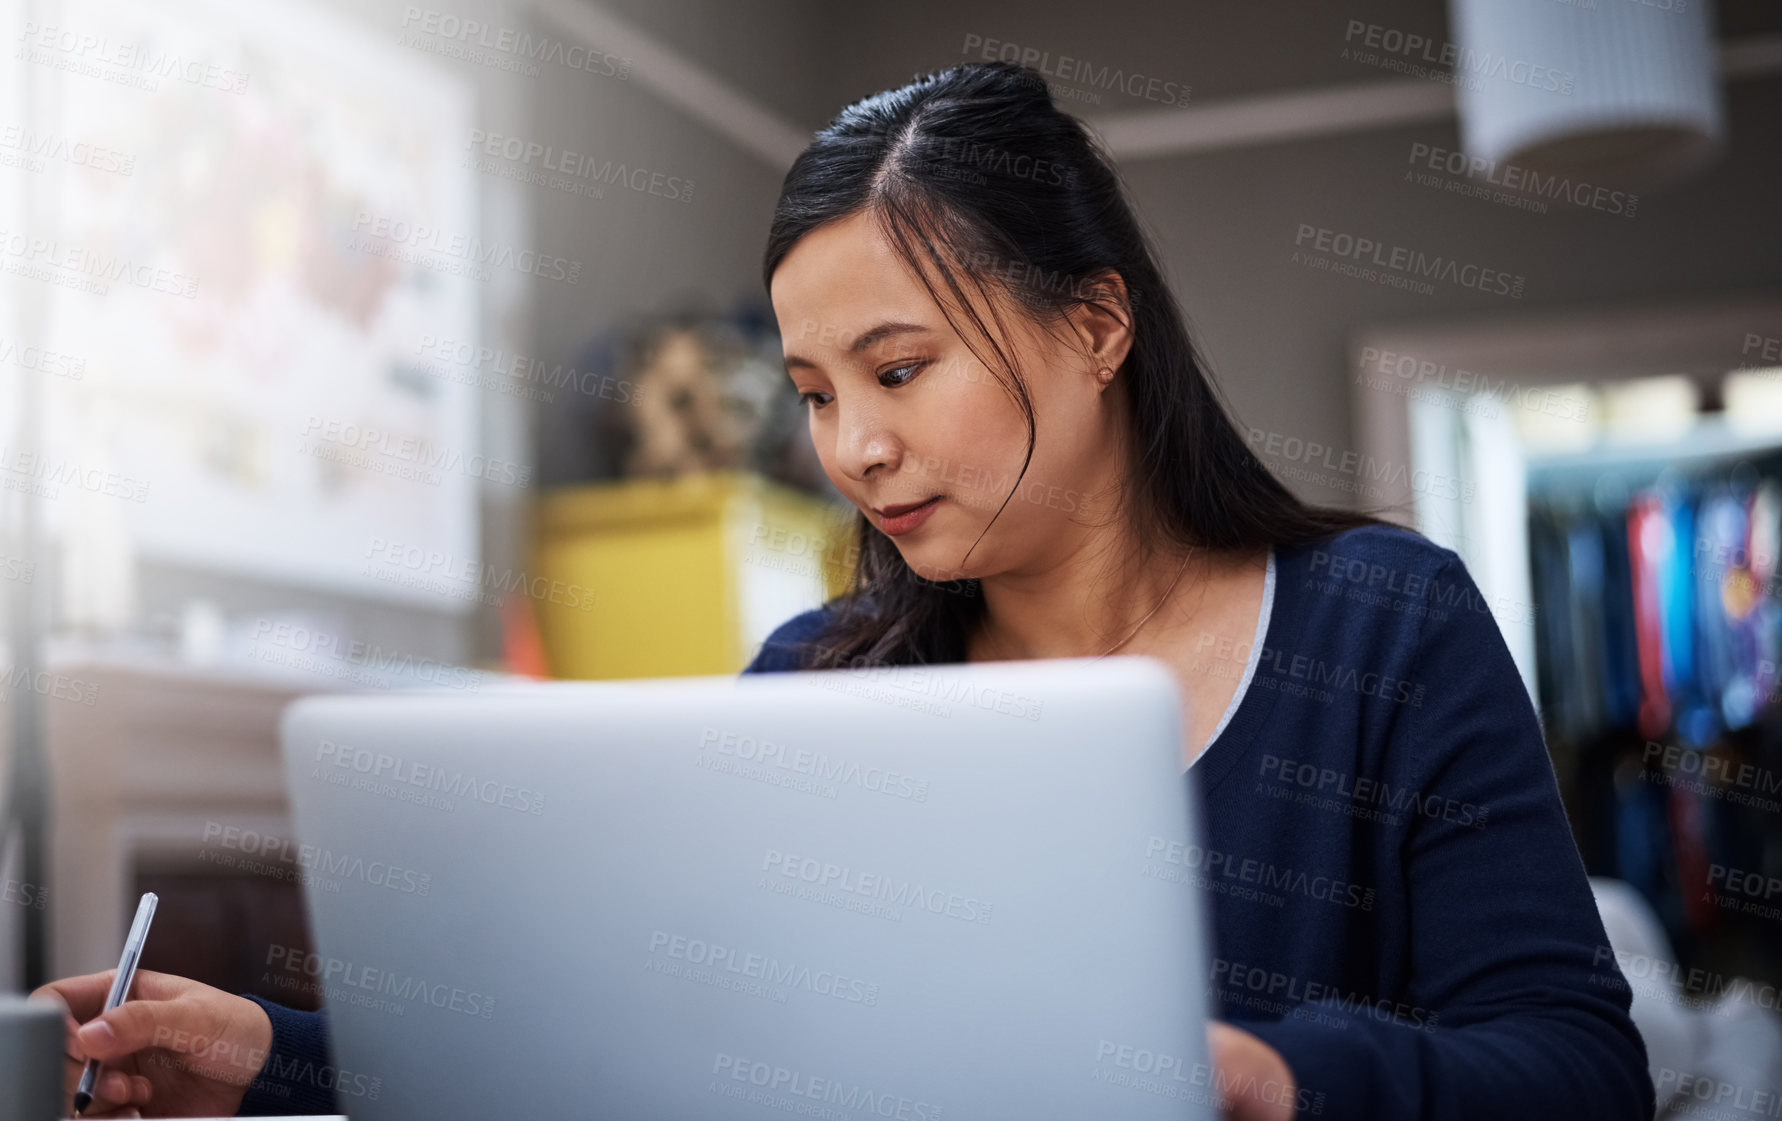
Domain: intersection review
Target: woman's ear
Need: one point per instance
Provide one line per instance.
(1103, 323)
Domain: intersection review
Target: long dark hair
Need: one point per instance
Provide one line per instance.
(977, 179)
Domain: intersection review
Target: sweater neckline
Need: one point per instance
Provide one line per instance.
(1254, 705)
(1256, 643)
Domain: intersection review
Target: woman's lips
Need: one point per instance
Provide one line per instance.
(910, 519)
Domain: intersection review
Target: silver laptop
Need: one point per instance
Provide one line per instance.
(913, 893)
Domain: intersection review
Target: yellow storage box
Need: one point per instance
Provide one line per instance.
(687, 576)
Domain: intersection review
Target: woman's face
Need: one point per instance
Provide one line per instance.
(901, 412)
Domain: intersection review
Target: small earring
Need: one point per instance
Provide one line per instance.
(1105, 374)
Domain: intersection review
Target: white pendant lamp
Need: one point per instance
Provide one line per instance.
(1623, 91)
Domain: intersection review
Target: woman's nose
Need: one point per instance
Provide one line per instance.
(864, 442)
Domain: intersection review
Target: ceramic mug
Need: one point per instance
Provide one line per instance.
(30, 1059)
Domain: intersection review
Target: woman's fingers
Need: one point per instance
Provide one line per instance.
(70, 1023)
(112, 1090)
(113, 1086)
(1261, 1084)
(140, 1024)
(124, 1089)
(83, 996)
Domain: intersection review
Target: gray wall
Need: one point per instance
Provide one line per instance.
(646, 253)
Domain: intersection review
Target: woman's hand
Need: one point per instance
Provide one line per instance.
(1253, 1080)
(175, 1048)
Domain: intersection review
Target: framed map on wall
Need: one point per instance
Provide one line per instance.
(276, 219)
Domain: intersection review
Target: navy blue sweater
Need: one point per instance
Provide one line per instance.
(1398, 906)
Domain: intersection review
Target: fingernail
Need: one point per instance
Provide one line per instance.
(98, 1035)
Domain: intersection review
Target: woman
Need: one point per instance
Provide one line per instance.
(998, 376)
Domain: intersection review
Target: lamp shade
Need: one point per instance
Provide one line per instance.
(1617, 90)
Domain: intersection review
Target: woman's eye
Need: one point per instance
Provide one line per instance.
(908, 372)
(890, 379)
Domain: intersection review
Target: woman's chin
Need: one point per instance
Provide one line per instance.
(924, 561)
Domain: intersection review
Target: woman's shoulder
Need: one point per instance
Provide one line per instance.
(1383, 581)
(1372, 555)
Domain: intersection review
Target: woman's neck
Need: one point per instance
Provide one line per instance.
(1082, 603)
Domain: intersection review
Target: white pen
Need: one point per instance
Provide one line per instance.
(120, 987)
